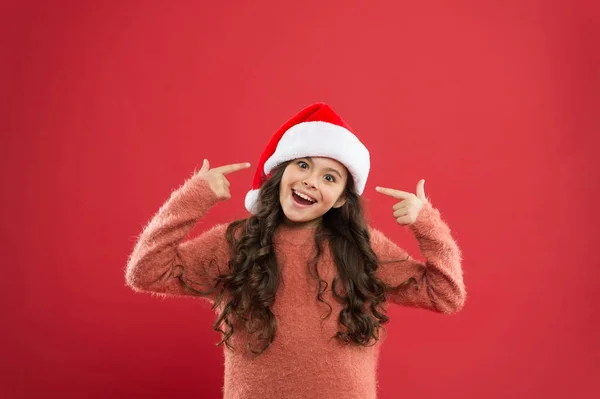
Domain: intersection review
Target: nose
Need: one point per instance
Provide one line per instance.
(308, 183)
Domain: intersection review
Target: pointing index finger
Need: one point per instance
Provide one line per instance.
(393, 193)
(227, 169)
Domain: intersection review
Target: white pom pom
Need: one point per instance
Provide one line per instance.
(251, 198)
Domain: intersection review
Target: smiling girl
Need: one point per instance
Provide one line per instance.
(303, 198)
(303, 254)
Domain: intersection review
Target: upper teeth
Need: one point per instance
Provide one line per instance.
(306, 197)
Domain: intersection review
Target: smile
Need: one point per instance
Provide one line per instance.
(302, 199)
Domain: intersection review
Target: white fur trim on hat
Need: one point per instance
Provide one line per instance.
(250, 201)
(323, 139)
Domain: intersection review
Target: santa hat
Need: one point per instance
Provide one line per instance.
(316, 131)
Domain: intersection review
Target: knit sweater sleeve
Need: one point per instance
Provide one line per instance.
(163, 262)
(435, 285)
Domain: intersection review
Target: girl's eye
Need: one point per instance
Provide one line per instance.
(302, 164)
(330, 178)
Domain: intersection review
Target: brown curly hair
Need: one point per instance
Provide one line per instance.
(254, 275)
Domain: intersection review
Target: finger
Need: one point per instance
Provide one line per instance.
(403, 220)
(223, 183)
(394, 193)
(401, 212)
(226, 169)
(205, 166)
(226, 194)
(421, 190)
(400, 205)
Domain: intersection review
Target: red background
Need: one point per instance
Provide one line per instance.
(109, 106)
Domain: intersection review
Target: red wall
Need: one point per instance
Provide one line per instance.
(108, 106)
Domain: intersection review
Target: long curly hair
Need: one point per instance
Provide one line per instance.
(254, 276)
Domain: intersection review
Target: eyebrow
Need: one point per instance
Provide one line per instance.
(332, 170)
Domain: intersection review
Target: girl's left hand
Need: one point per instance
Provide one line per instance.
(407, 210)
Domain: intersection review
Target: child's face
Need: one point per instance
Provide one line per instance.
(321, 179)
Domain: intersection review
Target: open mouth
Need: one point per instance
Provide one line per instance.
(302, 199)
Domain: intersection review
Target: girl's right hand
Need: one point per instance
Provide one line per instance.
(216, 177)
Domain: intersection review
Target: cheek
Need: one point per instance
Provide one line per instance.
(284, 179)
(288, 175)
(331, 195)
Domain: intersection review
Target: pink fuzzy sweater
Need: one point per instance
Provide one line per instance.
(303, 361)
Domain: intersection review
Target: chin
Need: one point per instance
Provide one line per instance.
(295, 218)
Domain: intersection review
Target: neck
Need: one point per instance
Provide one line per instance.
(302, 225)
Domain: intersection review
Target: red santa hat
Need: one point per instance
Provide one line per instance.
(316, 131)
